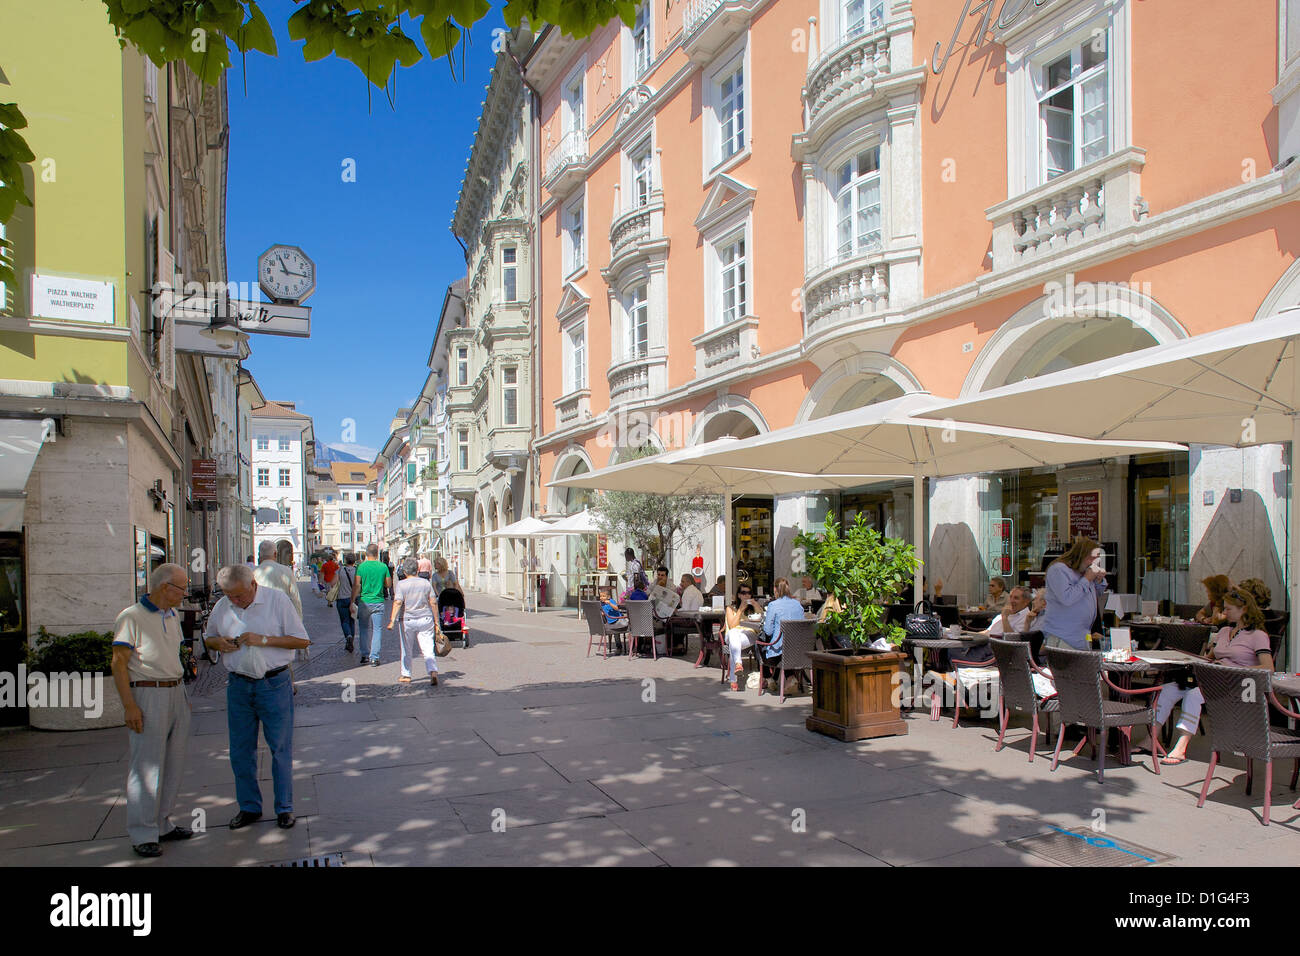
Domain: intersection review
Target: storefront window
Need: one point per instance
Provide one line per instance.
(752, 527)
(1030, 503)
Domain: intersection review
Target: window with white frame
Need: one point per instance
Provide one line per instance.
(462, 365)
(642, 39)
(509, 273)
(347, 515)
(637, 308)
(574, 113)
(575, 254)
(263, 443)
(1073, 118)
(859, 16)
(284, 477)
(462, 449)
(857, 204)
(347, 537)
(264, 477)
(731, 110)
(575, 358)
(642, 173)
(510, 395)
(286, 514)
(733, 283)
(284, 444)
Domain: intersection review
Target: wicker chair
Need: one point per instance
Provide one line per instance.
(1187, 611)
(958, 665)
(797, 639)
(640, 624)
(599, 631)
(1242, 725)
(1016, 685)
(949, 614)
(1078, 676)
(1188, 638)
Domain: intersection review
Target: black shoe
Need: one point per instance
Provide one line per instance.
(284, 821)
(147, 849)
(176, 833)
(348, 647)
(243, 818)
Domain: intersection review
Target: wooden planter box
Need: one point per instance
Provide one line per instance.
(854, 694)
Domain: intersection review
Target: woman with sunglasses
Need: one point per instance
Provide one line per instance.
(744, 620)
(1242, 642)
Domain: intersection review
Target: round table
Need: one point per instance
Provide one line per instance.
(937, 644)
(1124, 671)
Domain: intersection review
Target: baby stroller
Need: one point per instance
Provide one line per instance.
(451, 615)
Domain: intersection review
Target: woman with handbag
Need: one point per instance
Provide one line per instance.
(744, 622)
(343, 587)
(413, 599)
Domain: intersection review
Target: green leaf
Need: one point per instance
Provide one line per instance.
(12, 117)
(468, 12)
(257, 33)
(13, 146)
(439, 38)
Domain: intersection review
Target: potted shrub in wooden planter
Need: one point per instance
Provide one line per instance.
(69, 682)
(855, 690)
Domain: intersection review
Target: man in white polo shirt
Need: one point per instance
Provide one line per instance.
(257, 631)
(147, 673)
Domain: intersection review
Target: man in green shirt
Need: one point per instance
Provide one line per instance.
(368, 598)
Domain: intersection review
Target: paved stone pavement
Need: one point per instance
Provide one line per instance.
(530, 753)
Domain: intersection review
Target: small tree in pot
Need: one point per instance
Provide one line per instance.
(854, 693)
(864, 570)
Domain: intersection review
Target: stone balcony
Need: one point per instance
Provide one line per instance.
(634, 229)
(638, 378)
(846, 291)
(709, 25)
(845, 76)
(566, 165)
(1069, 212)
(573, 408)
(726, 346)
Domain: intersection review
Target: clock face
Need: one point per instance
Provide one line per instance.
(286, 274)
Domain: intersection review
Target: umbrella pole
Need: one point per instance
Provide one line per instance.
(918, 533)
(727, 556)
(1293, 585)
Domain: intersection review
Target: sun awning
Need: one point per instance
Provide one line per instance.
(20, 443)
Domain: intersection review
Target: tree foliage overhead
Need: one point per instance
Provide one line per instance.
(653, 522)
(375, 35)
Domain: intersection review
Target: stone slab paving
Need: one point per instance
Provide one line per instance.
(531, 753)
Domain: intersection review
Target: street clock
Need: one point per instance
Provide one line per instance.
(286, 274)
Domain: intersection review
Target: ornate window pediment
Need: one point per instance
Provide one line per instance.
(727, 197)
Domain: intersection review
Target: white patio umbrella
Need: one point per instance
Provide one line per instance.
(1237, 386)
(677, 472)
(580, 522)
(879, 439)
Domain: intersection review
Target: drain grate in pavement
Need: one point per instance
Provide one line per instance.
(322, 859)
(1084, 847)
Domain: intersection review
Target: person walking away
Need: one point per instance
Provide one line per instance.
(327, 572)
(373, 579)
(1074, 580)
(148, 676)
(257, 632)
(271, 573)
(413, 600)
(347, 576)
(425, 569)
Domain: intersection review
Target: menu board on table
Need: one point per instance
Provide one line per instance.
(1085, 514)
(602, 552)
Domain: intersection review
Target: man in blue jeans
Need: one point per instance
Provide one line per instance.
(373, 577)
(257, 632)
(347, 578)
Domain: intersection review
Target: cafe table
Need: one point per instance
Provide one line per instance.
(1162, 663)
(968, 639)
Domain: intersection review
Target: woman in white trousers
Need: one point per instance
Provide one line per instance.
(413, 598)
(738, 638)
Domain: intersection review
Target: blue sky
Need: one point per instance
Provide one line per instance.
(383, 251)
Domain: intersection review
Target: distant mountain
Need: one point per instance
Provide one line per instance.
(327, 452)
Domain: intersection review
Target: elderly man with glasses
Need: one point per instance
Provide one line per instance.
(257, 631)
(148, 676)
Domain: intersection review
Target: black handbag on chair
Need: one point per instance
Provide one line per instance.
(922, 623)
